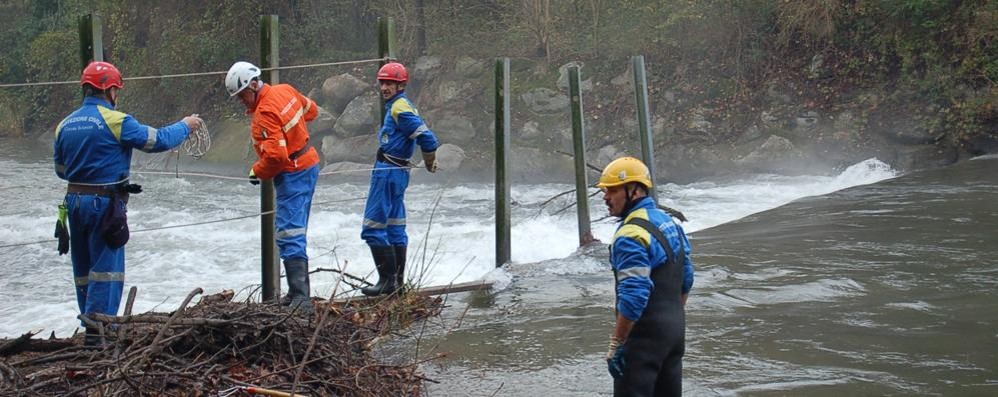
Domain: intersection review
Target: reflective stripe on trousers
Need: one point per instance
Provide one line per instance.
(384, 214)
(294, 205)
(98, 271)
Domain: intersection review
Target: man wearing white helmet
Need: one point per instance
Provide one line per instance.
(281, 140)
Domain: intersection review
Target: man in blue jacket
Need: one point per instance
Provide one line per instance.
(384, 214)
(653, 274)
(93, 152)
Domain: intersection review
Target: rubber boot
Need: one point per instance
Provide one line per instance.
(384, 261)
(296, 271)
(399, 265)
(92, 337)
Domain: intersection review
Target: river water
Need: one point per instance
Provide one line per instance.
(860, 282)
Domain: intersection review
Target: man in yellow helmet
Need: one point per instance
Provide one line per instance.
(653, 274)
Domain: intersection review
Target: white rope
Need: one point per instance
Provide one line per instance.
(167, 76)
(239, 178)
(233, 178)
(193, 224)
(198, 142)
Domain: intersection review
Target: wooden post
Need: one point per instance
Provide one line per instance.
(270, 259)
(644, 122)
(502, 166)
(386, 49)
(579, 144)
(91, 39)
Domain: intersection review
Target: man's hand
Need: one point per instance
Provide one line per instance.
(193, 122)
(615, 358)
(252, 178)
(430, 161)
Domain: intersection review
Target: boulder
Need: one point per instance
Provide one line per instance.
(451, 126)
(323, 124)
(449, 157)
(545, 101)
(468, 67)
(338, 91)
(530, 130)
(360, 116)
(426, 67)
(775, 153)
(358, 148)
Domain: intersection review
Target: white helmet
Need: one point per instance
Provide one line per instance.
(239, 77)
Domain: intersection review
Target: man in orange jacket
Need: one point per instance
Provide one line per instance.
(280, 138)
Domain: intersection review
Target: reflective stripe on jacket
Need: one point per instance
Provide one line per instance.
(403, 129)
(94, 144)
(635, 254)
(279, 129)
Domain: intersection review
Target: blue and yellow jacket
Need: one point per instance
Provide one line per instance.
(94, 144)
(634, 262)
(403, 129)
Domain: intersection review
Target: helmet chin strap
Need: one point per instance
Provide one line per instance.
(111, 97)
(628, 202)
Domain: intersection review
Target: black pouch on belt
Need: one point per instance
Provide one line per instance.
(114, 225)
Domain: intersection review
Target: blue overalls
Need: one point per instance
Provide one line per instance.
(93, 151)
(384, 214)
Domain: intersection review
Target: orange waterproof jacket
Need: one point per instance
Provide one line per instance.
(279, 131)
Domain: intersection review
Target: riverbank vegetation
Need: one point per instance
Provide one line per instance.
(718, 68)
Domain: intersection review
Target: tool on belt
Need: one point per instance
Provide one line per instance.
(62, 229)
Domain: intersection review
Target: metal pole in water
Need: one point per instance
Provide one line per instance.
(270, 262)
(91, 39)
(579, 144)
(502, 166)
(644, 121)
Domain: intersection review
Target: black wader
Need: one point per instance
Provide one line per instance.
(653, 352)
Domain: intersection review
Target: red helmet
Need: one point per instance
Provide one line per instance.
(102, 75)
(393, 71)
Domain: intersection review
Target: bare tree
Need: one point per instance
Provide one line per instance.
(536, 18)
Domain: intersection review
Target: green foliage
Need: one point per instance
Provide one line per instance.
(714, 52)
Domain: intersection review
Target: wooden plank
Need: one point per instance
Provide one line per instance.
(429, 291)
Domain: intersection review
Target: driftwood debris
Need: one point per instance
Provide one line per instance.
(478, 285)
(220, 347)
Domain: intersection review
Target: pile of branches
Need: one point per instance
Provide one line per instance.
(220, 347)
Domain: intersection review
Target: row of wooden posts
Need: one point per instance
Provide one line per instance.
(91, 49)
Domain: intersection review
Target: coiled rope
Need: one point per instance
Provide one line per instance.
(198, 142)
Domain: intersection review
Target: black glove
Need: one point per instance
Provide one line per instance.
(253, 179)
(132, 188)
(615, 363)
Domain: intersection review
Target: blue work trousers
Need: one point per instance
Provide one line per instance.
(98, 270)
(384, 215)
(294, 204)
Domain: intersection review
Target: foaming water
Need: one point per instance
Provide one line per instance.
(451, 231)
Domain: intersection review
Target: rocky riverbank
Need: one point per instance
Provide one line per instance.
(778, 128)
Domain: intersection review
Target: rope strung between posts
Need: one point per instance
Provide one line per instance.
(191, 224)
(243, 178)
(168, 76)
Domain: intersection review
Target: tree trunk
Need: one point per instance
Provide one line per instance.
(420, 28)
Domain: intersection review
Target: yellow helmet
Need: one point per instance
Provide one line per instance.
(624, 170)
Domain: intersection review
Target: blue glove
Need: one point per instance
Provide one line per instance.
(615, 363)
(253, 179)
